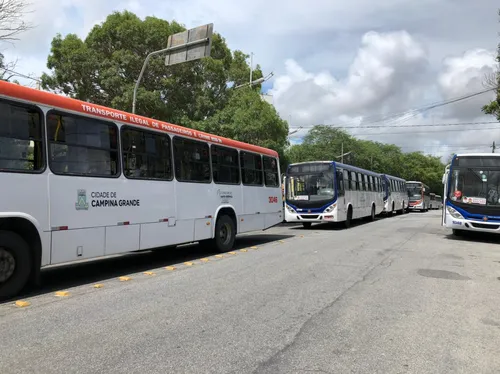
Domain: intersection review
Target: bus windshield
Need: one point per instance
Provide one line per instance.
(414, 191)
(475, 186)
(311, 187)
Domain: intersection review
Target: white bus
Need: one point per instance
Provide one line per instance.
(472, 193)
(439, 202)
(326, 191)
(418, 196)
(395, 194)
(432, 201)
(82, 181)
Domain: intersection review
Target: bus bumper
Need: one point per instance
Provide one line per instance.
(416, 207)
(310, 217)
(471, 225)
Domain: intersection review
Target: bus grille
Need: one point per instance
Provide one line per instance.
(310, 216)
(484, 226)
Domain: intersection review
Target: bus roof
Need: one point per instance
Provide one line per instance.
(338, 164)
(478, 154)
(393, 177)
(31, 95)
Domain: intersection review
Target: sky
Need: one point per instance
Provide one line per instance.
(363, 65)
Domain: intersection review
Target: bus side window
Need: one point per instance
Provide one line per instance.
(225, 165)
(21, 139)
(146, 154)
(192, 160)
(340, 182)
(270, 171)
(82, 146)
(251, 169)
(347, 182)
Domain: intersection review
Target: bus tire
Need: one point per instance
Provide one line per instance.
(457, 232)
(307, 225)
(372, 216)
(225, 234)
(348, 220)
(15, 264)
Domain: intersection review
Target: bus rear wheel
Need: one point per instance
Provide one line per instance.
(15, 264)
(372, 216)
(225, 234)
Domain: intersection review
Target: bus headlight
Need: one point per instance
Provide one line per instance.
(290, 209)
(454, 213)
(330, 208)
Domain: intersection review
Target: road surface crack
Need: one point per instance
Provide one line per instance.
(271, 360)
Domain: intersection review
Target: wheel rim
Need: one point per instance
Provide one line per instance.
(225, 233)
(7, 264)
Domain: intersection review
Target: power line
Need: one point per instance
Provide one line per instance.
(21, 75)
(392, 126)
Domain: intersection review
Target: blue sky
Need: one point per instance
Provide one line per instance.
(334, 62)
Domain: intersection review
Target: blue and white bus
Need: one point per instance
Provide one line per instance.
(328, 191)
(395, 194)
(472, 193)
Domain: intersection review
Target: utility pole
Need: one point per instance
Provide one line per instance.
(371, 162)
(342, 153)
(493, 147)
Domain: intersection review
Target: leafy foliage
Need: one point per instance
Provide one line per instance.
(325, 143)
(104, 67)
(493, 107)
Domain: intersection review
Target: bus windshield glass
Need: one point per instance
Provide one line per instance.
(475, 186)
(311, 187)
(414, 191)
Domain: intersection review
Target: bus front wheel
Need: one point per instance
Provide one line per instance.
(348, 220)
(307, 225)
(15, 264)
(225, 234)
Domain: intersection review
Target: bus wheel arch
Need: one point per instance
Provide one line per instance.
(24, 244)
(225, 230)
(348, 219)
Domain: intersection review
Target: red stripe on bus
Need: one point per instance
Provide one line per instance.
(60, 102)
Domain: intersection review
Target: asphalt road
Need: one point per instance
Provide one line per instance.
(397, 295)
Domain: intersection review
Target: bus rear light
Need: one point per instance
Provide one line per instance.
(125, 223)
(163, 220)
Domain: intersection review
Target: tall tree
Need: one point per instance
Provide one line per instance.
(493, 107)
(104, 67)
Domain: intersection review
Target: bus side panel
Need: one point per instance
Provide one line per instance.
(274, 209)
(255, 202)
(27, 195)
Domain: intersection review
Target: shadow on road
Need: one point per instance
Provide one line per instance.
(62, 277)
(471, 236)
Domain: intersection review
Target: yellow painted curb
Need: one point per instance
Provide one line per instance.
(148, 273)
(22, 303)
(98, 285)
(188, 263)
(124, 279)
(219, 256)
(62, 293)
(170, 268)
(204, 260)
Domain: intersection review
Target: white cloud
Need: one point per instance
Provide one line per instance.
(335, 62)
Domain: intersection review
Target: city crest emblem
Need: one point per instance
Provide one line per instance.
(81, 200)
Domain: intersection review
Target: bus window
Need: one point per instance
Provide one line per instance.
(225, 165)
(192, 161)
(270, 171)
(146, 154)
(251, 169)
(21, 144)
(82, 146)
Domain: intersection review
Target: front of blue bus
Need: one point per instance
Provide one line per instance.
(473, 193)
(311, 193)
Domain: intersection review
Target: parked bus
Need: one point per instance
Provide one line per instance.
(82, 181)
(395, 195)
(472, 193)
(432, 201)
(326, 191)
(439, 202)
(418, 196)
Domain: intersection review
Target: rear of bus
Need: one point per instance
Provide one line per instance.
(310, 192)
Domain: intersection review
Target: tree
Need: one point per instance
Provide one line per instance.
(325, 143)
(11, 19)
(104, 67)
(248, 118)
(493, 107)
